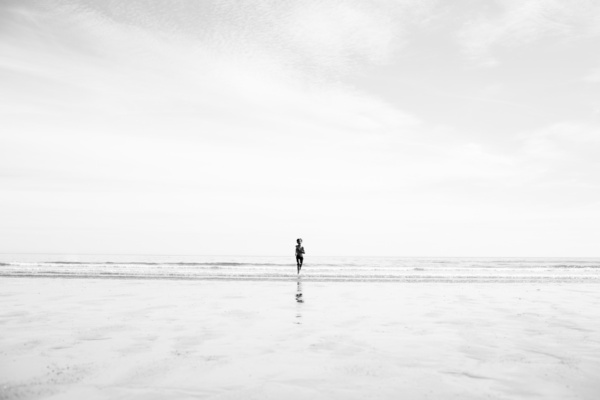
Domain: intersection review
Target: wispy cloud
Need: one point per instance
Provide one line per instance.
(130, 58)
(565, 155)
(509, 23)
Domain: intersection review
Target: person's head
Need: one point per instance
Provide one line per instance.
(298, 241)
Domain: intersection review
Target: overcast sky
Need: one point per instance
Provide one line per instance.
(373, 127)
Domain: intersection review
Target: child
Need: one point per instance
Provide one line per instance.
(299, 254)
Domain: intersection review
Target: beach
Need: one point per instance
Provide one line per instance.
(91, 338)
(299, 200)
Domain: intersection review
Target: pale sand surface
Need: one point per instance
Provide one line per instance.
(153, 339)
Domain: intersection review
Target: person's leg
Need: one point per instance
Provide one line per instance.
(298, 263)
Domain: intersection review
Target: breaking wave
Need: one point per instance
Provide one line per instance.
(394, 269)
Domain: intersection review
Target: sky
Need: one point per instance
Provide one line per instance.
(365, 127)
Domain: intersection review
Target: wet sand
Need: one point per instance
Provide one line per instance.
(160, 339)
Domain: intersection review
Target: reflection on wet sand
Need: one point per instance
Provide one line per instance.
(299, 297)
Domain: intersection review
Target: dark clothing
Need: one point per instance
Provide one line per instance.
(299, 256)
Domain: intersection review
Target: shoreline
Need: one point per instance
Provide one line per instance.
(292, 278)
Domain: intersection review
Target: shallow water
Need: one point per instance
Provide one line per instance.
(315, 268)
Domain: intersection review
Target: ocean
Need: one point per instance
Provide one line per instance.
(393, 269)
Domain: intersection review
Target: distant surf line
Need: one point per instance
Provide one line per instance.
(318, 278)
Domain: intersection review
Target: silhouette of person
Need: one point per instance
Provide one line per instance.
(299, 254)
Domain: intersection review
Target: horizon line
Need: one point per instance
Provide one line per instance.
(283, 255)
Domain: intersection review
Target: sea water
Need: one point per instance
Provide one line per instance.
(315, 268)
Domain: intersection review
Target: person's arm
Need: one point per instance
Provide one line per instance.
(302, 249)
